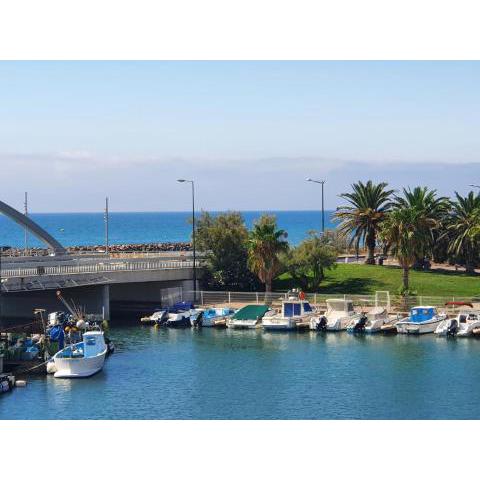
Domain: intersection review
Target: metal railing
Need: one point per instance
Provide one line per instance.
(99, 267)
(396, 302)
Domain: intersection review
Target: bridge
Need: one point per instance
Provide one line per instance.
(95, 281)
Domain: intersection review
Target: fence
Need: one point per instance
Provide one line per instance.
(99, 267)
(394, 302)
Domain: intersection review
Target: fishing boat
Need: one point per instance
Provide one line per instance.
(463, 324)
(82, 359)
(214, 317)
(338, 316)
(294, 313)
(249, 316)
(421, 320)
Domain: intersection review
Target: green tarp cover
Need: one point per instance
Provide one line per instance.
(251, 312)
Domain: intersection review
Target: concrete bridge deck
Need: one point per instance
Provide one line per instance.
(93, 282)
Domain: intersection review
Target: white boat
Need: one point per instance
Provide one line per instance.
(463, 324)
(294, 312)
(155, 318)
(179, 319)
(421, 320)
(249, 316)
(82, 359)
(214, 317)
(370, 322)
(338, 316)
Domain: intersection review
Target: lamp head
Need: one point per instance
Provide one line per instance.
(181, 180)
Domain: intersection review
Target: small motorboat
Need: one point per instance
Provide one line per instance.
(463, 324)
(82, 359)
(370, 322)
(338, 316)
(294, 313)
(213, 317)
(179, 320)
(421, 320)
(155, 318)
(249, 316)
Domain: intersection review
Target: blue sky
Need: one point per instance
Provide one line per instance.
(247, 132)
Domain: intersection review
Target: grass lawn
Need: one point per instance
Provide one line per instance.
(366, 279)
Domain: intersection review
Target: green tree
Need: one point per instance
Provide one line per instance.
(405, 232)
(464, 229)
(224, 239)
(307, 262)
(432, 212)
(265, 243)
(361, 219)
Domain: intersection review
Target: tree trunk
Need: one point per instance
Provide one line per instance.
(405, 278)
(268, 285)
(370, 243)
(469, 267)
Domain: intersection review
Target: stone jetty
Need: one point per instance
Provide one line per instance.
(117, 248)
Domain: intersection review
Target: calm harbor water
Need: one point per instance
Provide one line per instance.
(226, 374)
(142, 227)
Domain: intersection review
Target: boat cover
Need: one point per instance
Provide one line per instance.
(421, 314)
(251, 312)
(181, 307)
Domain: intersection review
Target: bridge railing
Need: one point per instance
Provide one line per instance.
(99, 267)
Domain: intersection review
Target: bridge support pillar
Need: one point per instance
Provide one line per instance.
(106, 301)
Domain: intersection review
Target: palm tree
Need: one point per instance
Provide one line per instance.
(464, 229)
(265, 244)
(432, 209)
(405, 230)
(369, 204)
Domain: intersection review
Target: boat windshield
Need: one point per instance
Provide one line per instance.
(340, 305)
(291, 309)
(307, 307)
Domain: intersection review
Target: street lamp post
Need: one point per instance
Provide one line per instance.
(106, 220)
(182, 180)
(322, 183)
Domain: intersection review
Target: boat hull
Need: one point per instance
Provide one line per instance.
(279, 326)
(79, 367)
(244, 324)
(418, 328)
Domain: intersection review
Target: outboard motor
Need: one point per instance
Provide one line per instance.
(322, 324)
(198, 321)
(453, 327)
(163, 319)
(360, 325)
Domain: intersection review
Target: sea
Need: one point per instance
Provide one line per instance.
(72, 229)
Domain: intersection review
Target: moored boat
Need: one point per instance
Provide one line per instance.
(155, 318)
(463, 324)
(82, 359)
(370, 322)
(338, 316)
(249, 316)
(214, 317)
(422, 319)
(295, 312)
